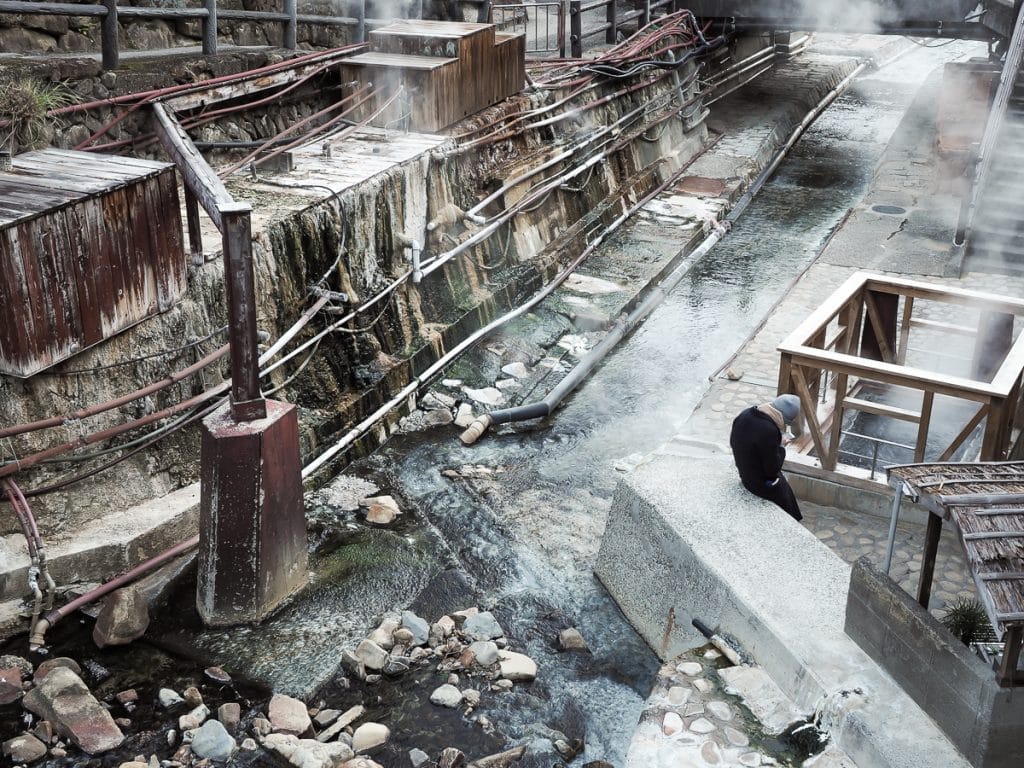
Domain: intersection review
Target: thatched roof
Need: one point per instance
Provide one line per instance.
(986, 501)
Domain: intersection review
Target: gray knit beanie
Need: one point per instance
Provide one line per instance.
(788, 406)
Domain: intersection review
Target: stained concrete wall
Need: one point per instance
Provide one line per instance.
(684, 540)
(955, 687)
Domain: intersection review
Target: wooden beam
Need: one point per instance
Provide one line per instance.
(823, 315)
(889, 373)
(946, 295)
(1001, 575)
(809, 407)
(983, 535)
(996, 511)
(1012, 639)
(982, 499)
(197, 174)
(964, 433)
(936, 325)
(881, 334)
(836, 431)
(993, 442)
(881, 409)
(924, 425)
(931, 548)
(905, 325)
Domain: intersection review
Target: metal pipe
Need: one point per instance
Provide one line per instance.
(894, 517)
(37, 639)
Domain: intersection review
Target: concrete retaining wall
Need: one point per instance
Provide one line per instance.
(684, 540)
(955, 687)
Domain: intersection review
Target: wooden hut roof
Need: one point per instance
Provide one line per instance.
(986, 501)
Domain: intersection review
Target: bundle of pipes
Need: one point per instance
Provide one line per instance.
(36, 551)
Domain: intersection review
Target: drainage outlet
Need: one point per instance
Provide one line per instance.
(891, 210)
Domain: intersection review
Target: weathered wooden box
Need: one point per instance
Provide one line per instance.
(89, 245)
(447, 71)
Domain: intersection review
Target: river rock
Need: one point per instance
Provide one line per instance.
(230, 715)
(169, 698)
(690, 668)
(380, 510)
(213, 741)
(419, 627)
(10, 685)
(193, 718)
(192, 696)
(503, 759)
(25, 748)
(217, 674)
(288, 715)
(571, 640)
(308, 753)
(516, 370)
(325, 717)
(348, 717)
(485, 652)
(517, 667)
(483, 626)
(446, 696)
(43, 731)
(471, 696)
(464, 415)
(451, 758)
(123, 618)
(487, 395)
(384, 635)
(369, 736)
(418, 757)
(371, 655)
(11, 661)
(672, 724)
(396, 665)
(403, 636)
(360, 761)
(64, 700)
(51, 664)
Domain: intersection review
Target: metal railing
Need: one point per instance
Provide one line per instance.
(613, 23)
(206, 12)
(542, 23)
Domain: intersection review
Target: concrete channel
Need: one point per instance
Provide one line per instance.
(518, 523)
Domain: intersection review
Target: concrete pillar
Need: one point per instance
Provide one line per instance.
(252, 534)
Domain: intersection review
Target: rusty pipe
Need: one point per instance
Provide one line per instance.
(92, 410)
(44, 571)
(37, 639)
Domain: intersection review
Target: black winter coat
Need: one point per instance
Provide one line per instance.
(757, 448)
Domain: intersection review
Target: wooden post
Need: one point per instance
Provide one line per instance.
(835, 439)
(290, 26)
(195, 234)
(927, 399)
(361, 21)
(908, 314)
(611, 34)
(210, 28)
(931, 548)
(1011, 656)
(576, 29)
(108, 36)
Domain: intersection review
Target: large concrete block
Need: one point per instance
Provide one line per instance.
(685, 540)
(252, 532)
(949, 682)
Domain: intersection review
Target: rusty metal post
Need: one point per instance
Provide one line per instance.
(252, 526)
(108, 36)
(931, 548)
(575, 29)
(210, 28)
(611, 34)
(247, 403)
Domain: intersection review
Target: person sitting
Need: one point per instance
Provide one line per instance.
(759, 450)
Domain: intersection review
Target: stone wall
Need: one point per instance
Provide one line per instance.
(947, 680)
(31, 33)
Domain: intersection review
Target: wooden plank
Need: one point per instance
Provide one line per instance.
(924, 425)
(905, 325)
(983, 535)
(981, 499)
(964, 433)
(824, 314)
(198, 175)
(996, 511)
(881, 335)
(838, 410)
(810, 414)
(1001, 576)
(936, 325)
(399, 61)
(946, 295)
(889, 373)
(931, 548)
(882, 409)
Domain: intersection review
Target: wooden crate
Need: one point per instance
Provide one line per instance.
(448, 39)
(89, 245)
(427, 82)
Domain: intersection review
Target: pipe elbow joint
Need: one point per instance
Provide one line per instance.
(37, 637)
(475, 430)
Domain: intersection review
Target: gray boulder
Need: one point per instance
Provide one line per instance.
(123, 618)
(483, 626)
(212, 741)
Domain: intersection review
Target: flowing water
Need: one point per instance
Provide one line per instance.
(517, 527)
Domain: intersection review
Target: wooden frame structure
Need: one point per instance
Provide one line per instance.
(985, 501)
(861, 335)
